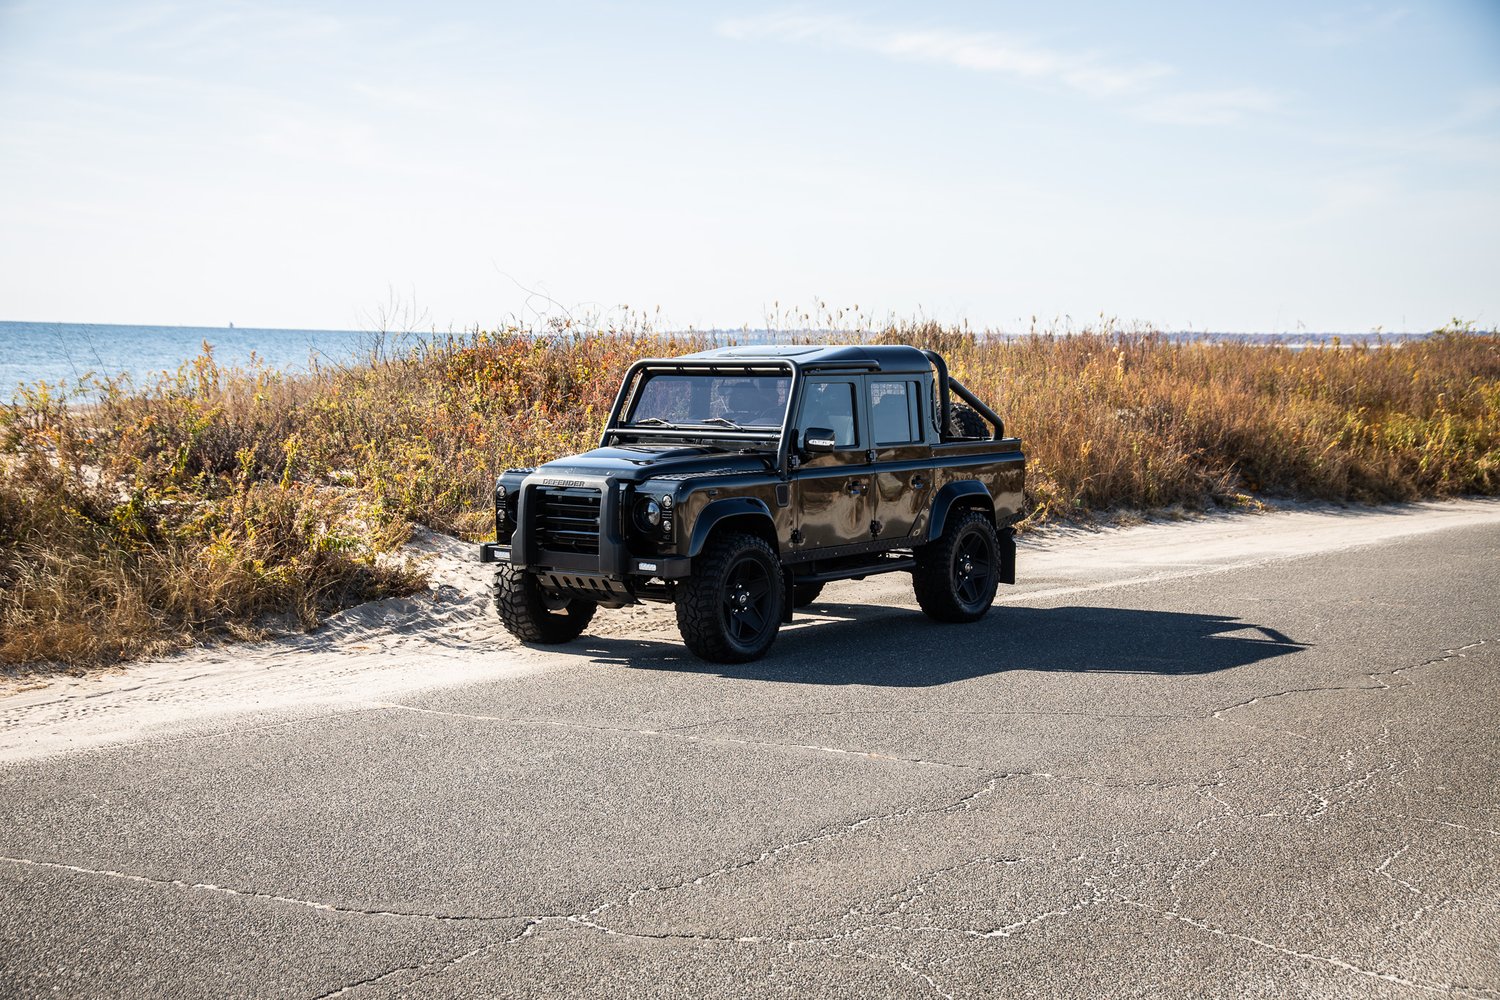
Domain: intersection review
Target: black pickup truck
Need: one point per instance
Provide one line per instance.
(736, 482)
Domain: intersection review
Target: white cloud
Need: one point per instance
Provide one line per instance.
(1084, 72)
(1336, 29)
(977, 51)
(1209, 107)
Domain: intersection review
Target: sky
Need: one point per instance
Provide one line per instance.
(1266, 167)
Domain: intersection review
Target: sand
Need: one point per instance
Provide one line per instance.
(448, 636)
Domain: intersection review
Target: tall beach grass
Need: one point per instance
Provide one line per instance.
(207, 503)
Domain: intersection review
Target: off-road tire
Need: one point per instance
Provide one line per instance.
(804, 594)
(732, 566)
(531, 616)
(965, 422)
(945, 590)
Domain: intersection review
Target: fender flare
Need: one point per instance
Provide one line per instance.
(951, 494)
(721, 510)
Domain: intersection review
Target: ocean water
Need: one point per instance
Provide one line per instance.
(63, 352)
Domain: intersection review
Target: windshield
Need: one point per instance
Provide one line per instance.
(731, 401)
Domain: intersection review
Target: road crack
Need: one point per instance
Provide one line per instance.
(1447, 655)
(209, 887)
(671, 734)
(1441, 822)
(422, 970)
(828, 833)
(909, 969)
(1432, 986)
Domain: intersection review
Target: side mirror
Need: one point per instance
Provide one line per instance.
(818, 439)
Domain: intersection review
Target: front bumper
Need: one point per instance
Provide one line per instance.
(547, 540)
(662, 567)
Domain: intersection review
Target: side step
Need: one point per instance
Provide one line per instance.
(859, 571)
(851, 568)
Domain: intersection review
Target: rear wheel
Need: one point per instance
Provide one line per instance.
(956, 575)
(804, 594)
(532, 615)
(730, 609)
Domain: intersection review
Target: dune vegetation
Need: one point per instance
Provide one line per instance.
(215, 502)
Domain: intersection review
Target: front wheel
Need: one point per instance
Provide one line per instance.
(729, 610)
(532, 615)
(957, 574)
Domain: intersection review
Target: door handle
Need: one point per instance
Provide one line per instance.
(919, 482)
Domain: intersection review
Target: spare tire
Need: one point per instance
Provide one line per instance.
(965, 422)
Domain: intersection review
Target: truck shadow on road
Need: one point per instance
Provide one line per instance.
(860, 644)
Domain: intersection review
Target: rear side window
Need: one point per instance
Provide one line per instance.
(895, 413)
(831, 405)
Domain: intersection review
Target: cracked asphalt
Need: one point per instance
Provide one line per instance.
(1274, 778)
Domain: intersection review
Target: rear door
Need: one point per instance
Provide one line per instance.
(902, 476)
(831, 503)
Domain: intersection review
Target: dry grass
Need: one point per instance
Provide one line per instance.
(146, 518)
(144, 522)
(1138, 422)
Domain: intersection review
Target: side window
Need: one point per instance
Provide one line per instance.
(831, 405)
(895, 413)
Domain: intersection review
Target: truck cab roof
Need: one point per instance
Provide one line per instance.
(858, 357)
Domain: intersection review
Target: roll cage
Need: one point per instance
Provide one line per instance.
(823, 362)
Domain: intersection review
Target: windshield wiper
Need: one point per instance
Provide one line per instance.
(723, 422)
(652, 422)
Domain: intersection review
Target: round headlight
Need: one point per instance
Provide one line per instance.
(648, 513)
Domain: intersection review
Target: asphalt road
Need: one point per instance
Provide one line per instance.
(1269, 778)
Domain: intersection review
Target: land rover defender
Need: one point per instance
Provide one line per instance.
(735, 483)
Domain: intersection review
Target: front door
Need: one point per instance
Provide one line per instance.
(831, 502)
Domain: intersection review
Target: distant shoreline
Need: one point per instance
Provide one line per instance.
(57, 352)
(7, 324)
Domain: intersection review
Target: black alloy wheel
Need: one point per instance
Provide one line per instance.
(747, 602)
(729, 610)
(957, 573)
(974, 571)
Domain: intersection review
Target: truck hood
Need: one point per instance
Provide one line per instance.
(637, 463)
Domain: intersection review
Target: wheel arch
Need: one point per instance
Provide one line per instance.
(745, 514)
(965, 494)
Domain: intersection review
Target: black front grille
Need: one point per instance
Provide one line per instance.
(567, 519)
